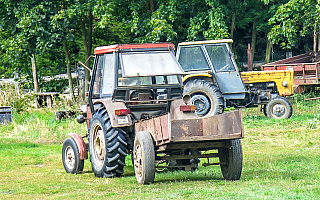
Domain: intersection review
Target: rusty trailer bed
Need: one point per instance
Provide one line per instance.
(164, 130)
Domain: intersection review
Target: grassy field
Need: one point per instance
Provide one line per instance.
(281, 161)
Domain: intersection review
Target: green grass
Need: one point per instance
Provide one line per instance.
(281, 161)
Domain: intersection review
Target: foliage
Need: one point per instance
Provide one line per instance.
(40, 27)
(295, 19)
(55, 85)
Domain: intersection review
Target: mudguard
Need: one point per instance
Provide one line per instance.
(83, 152)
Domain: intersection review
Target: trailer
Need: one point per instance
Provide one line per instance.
(306, 71)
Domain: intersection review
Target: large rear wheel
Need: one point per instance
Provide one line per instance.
(205, 96)
(144, 157)
(231, 160)
(107, 146)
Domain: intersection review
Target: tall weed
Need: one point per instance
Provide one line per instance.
(16, 99)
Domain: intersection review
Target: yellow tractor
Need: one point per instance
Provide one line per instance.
(214, 82)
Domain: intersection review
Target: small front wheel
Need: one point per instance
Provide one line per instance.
(71, 157)
(278, 108)
(144, 157)
(231, 160)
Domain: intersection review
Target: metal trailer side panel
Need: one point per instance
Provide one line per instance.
(158, 127)
(220, 127)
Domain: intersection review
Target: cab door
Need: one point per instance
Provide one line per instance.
(225, 70)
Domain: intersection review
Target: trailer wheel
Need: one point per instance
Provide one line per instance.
(71, 157)
(206, 96)
(107, 146)
(231, 160)
(278, 108)
(144, 157)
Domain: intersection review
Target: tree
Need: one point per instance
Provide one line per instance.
(293, 20)
(63, 24)
(28, 23)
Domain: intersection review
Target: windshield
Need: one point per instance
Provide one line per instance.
(220, 58)
(192, 58)
(149, 63)
(148, 80)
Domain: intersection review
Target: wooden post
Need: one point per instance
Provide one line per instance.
(249, 58)
(34, 73)
(16, 83)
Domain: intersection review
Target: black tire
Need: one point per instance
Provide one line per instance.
(278, 108)
(107, 146)
(231, 160)
(264, 110)
(206, 96)
(71, 157)
(144, 157)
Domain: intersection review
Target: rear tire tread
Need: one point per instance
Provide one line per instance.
(115, 147)
(208, 89)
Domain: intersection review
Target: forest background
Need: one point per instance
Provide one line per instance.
(44, 38)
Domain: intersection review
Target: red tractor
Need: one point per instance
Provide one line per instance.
(136, 107)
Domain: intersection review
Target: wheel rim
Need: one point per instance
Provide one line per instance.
(98, 146)
(278, 110)
(202, 104)
(69, 158)
(138, 160)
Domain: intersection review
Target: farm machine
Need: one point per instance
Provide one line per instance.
(136, 106)
(214, 82)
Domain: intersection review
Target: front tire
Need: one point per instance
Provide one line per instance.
(278, 108)
(107, 146)
(206, 96)
(144, 157)
(71, 157)
(231, 160)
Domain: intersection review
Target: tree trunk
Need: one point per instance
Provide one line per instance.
(232, 27)
(319, 40)
(67, 52)
(151, 3)
(254, 38)
(268, 52)
(315, 39)
(87, 44)
(34, 73)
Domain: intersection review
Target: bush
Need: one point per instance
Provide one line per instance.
(56, 85)
(17, 100)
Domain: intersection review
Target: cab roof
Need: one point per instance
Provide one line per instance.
(117, 47)
(206, 42)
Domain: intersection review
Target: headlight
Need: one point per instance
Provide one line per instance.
(285, 83)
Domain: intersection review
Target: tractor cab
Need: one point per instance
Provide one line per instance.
(146, 77)
(213, 59)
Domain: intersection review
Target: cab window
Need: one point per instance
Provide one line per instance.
(108, 74)
(220, 58)
(97, 81)
(192, 58)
